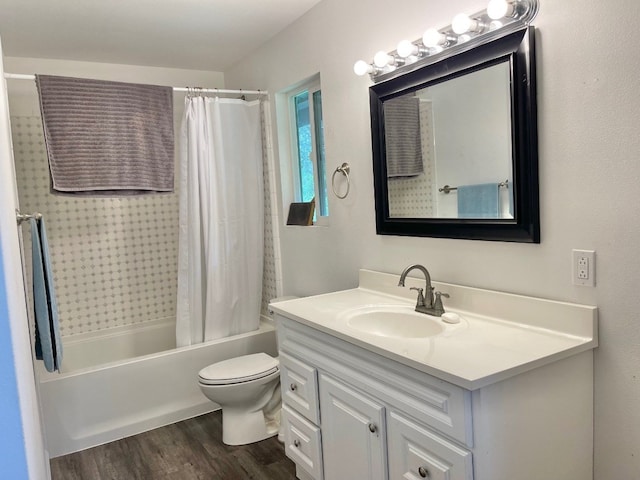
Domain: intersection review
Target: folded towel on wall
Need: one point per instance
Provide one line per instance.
(479, 201)
(107, 138)
(48, 345)
(402, 137)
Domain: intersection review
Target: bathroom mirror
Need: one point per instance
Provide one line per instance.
(455, 146)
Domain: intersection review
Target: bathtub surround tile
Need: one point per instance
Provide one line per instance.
(114, 259)
(272, 271)
(191, 449)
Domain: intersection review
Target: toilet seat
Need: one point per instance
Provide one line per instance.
(239, 370)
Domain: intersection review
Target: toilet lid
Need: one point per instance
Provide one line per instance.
(239, 369)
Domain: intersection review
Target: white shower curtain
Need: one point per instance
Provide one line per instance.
(221, 220)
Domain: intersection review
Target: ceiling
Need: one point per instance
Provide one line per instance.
(193, 34)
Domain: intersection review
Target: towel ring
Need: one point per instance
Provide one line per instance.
(344, 169)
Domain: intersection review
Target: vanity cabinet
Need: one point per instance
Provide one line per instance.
(350, 413)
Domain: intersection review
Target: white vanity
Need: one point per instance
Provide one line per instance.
(505, 394)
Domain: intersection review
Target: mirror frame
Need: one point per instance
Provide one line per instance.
(518, 49)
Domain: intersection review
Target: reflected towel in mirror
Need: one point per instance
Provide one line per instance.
(402, 137)
(479, 201)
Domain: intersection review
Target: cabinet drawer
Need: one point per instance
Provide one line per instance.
(417, 452)
(302, 442)
(299, 387)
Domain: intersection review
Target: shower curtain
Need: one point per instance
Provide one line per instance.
(221, 219)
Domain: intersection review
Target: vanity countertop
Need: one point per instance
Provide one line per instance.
(500, 334)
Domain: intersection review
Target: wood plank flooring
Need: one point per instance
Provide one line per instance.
(187, 450)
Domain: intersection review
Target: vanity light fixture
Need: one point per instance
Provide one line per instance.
(463, 23)
(500, 18)
(361, 68)
(498, 9)
(383, 59)
(432, 38)
(408, 49)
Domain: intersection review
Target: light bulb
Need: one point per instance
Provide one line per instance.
(433, 38)
(406, 48)
(361, 68)
(498, 9)
(462, 23)
(382, 59)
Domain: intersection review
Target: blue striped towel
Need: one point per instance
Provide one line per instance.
(48, 345)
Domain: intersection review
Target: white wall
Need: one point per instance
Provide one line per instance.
(589, 109)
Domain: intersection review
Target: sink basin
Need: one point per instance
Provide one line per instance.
(393, 321)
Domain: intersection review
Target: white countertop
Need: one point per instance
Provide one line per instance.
(500, 335)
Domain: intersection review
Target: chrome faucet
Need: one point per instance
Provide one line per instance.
(425, 302)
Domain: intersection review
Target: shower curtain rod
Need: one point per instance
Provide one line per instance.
(21, 76)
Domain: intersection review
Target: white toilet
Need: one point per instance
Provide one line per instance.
(248, 390)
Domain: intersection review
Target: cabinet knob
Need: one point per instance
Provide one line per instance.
(293, 387)
(373, 428)
(296, 443)
(423, 472)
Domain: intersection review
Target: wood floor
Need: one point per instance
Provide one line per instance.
(187, 450)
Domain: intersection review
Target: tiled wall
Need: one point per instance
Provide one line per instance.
(114, 259)
(272, 279)
(412, 197)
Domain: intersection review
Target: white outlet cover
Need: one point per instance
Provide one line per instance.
(583, 268)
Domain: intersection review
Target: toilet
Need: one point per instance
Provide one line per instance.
(248, 390)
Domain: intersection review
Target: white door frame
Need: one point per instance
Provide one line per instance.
(34, 444)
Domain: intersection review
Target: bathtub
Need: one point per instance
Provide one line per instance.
(131, 380)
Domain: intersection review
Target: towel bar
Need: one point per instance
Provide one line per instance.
(447, 188)
(23, 217)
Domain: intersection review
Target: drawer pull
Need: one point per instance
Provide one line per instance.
(423, 472)
(293, 387)
(373, 428)
(296, 443)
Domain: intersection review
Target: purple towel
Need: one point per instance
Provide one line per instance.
(107, 138)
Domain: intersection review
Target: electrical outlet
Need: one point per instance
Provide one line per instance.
(584, 268)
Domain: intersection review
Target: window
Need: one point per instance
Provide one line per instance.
(307, 148)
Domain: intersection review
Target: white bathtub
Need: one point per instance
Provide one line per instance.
(104, 394)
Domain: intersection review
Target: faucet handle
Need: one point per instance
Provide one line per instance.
(420, 301)
(437, 304)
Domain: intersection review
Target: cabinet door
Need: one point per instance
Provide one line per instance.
(353, 433)
(417, 452)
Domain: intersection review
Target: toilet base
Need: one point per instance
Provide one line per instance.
(240, 427)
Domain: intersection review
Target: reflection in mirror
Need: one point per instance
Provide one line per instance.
(455, 145)
(448, 148)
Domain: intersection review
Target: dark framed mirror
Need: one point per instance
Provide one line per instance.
(455, 150)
